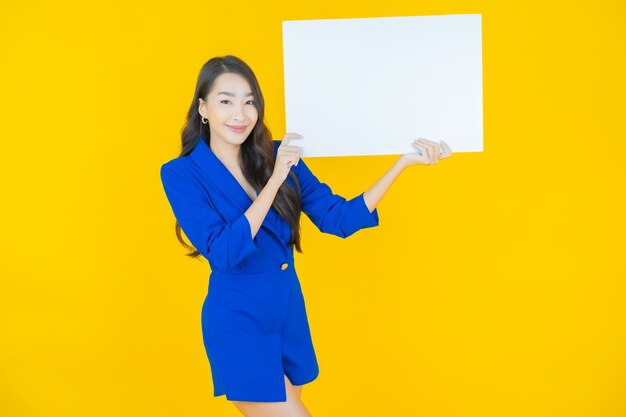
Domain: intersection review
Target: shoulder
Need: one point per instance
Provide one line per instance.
(173, 166)
(180, 168)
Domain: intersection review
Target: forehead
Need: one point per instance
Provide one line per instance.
(231, 82)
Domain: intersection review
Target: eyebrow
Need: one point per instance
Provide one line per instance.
(232, 95)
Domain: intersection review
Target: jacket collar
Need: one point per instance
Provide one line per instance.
(226, 183)
(219, 175)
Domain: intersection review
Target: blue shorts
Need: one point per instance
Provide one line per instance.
(255, 331)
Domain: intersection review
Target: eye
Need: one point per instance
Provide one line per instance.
(250, 101)
(223, 101)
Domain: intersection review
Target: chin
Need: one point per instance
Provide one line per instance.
(238, 141)
(234, 138)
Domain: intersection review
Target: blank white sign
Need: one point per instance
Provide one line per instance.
(371, 86)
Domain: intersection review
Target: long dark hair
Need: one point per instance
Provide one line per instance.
(256, 156)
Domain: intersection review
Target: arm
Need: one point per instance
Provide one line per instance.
(376, 192)
(257, 211)
(285, 156)
(332, 213)
(221, 243)
(430, 153)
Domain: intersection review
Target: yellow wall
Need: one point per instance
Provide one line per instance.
(494, 285)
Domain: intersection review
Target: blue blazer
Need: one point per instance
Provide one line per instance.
(254, 322)
(209, 205)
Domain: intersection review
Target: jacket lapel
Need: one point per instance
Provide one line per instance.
(219, 175)
(222, 179)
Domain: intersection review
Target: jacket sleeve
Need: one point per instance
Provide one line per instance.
(222, 244)
(332, 213)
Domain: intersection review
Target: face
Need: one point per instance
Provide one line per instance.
(230, 109)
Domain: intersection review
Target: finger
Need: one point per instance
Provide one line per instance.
(433, 148)
(423, 153)
(446, 148)
(422, 143)
(420, 146)
(288, 136)
(294, 151)
(289, 156)
(292, 148)
(292, 160)
(422, 150)
(427, 152)
(293, 136)
(427, 142)
(290, 153)
(436, 152)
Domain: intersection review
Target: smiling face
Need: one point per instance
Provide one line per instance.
(230, 109)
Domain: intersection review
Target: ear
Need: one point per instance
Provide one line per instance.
(201, 107)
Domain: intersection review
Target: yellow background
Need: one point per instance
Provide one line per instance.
(494, 285)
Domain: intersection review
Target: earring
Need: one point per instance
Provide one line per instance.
(204, 121)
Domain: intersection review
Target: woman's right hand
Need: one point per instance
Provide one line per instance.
(286, 156)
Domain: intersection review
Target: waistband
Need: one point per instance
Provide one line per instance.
(286, 264)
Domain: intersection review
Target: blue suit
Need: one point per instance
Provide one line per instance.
(254, 321)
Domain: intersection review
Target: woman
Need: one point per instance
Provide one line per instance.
(238, 195)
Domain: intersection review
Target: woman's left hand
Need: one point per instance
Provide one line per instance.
(432, 152)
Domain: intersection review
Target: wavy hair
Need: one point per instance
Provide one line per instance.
(256, 156)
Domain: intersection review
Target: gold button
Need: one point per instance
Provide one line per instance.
(284, 266)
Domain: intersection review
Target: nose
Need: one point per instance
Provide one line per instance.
(238, 113)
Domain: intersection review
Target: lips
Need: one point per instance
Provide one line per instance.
(237, 129)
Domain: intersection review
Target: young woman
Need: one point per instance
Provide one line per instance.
(238, 195)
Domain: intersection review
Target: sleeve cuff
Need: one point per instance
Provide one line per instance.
(366, 218)
(359, 216)
(241, 243)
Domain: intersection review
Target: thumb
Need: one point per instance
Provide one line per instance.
(288, 136)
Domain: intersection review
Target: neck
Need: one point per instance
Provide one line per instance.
(225, 152)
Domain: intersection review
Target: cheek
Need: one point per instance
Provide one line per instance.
(215, 114)
(253, 114)
(219, 114)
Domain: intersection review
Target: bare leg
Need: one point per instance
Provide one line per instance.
(293, 407)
